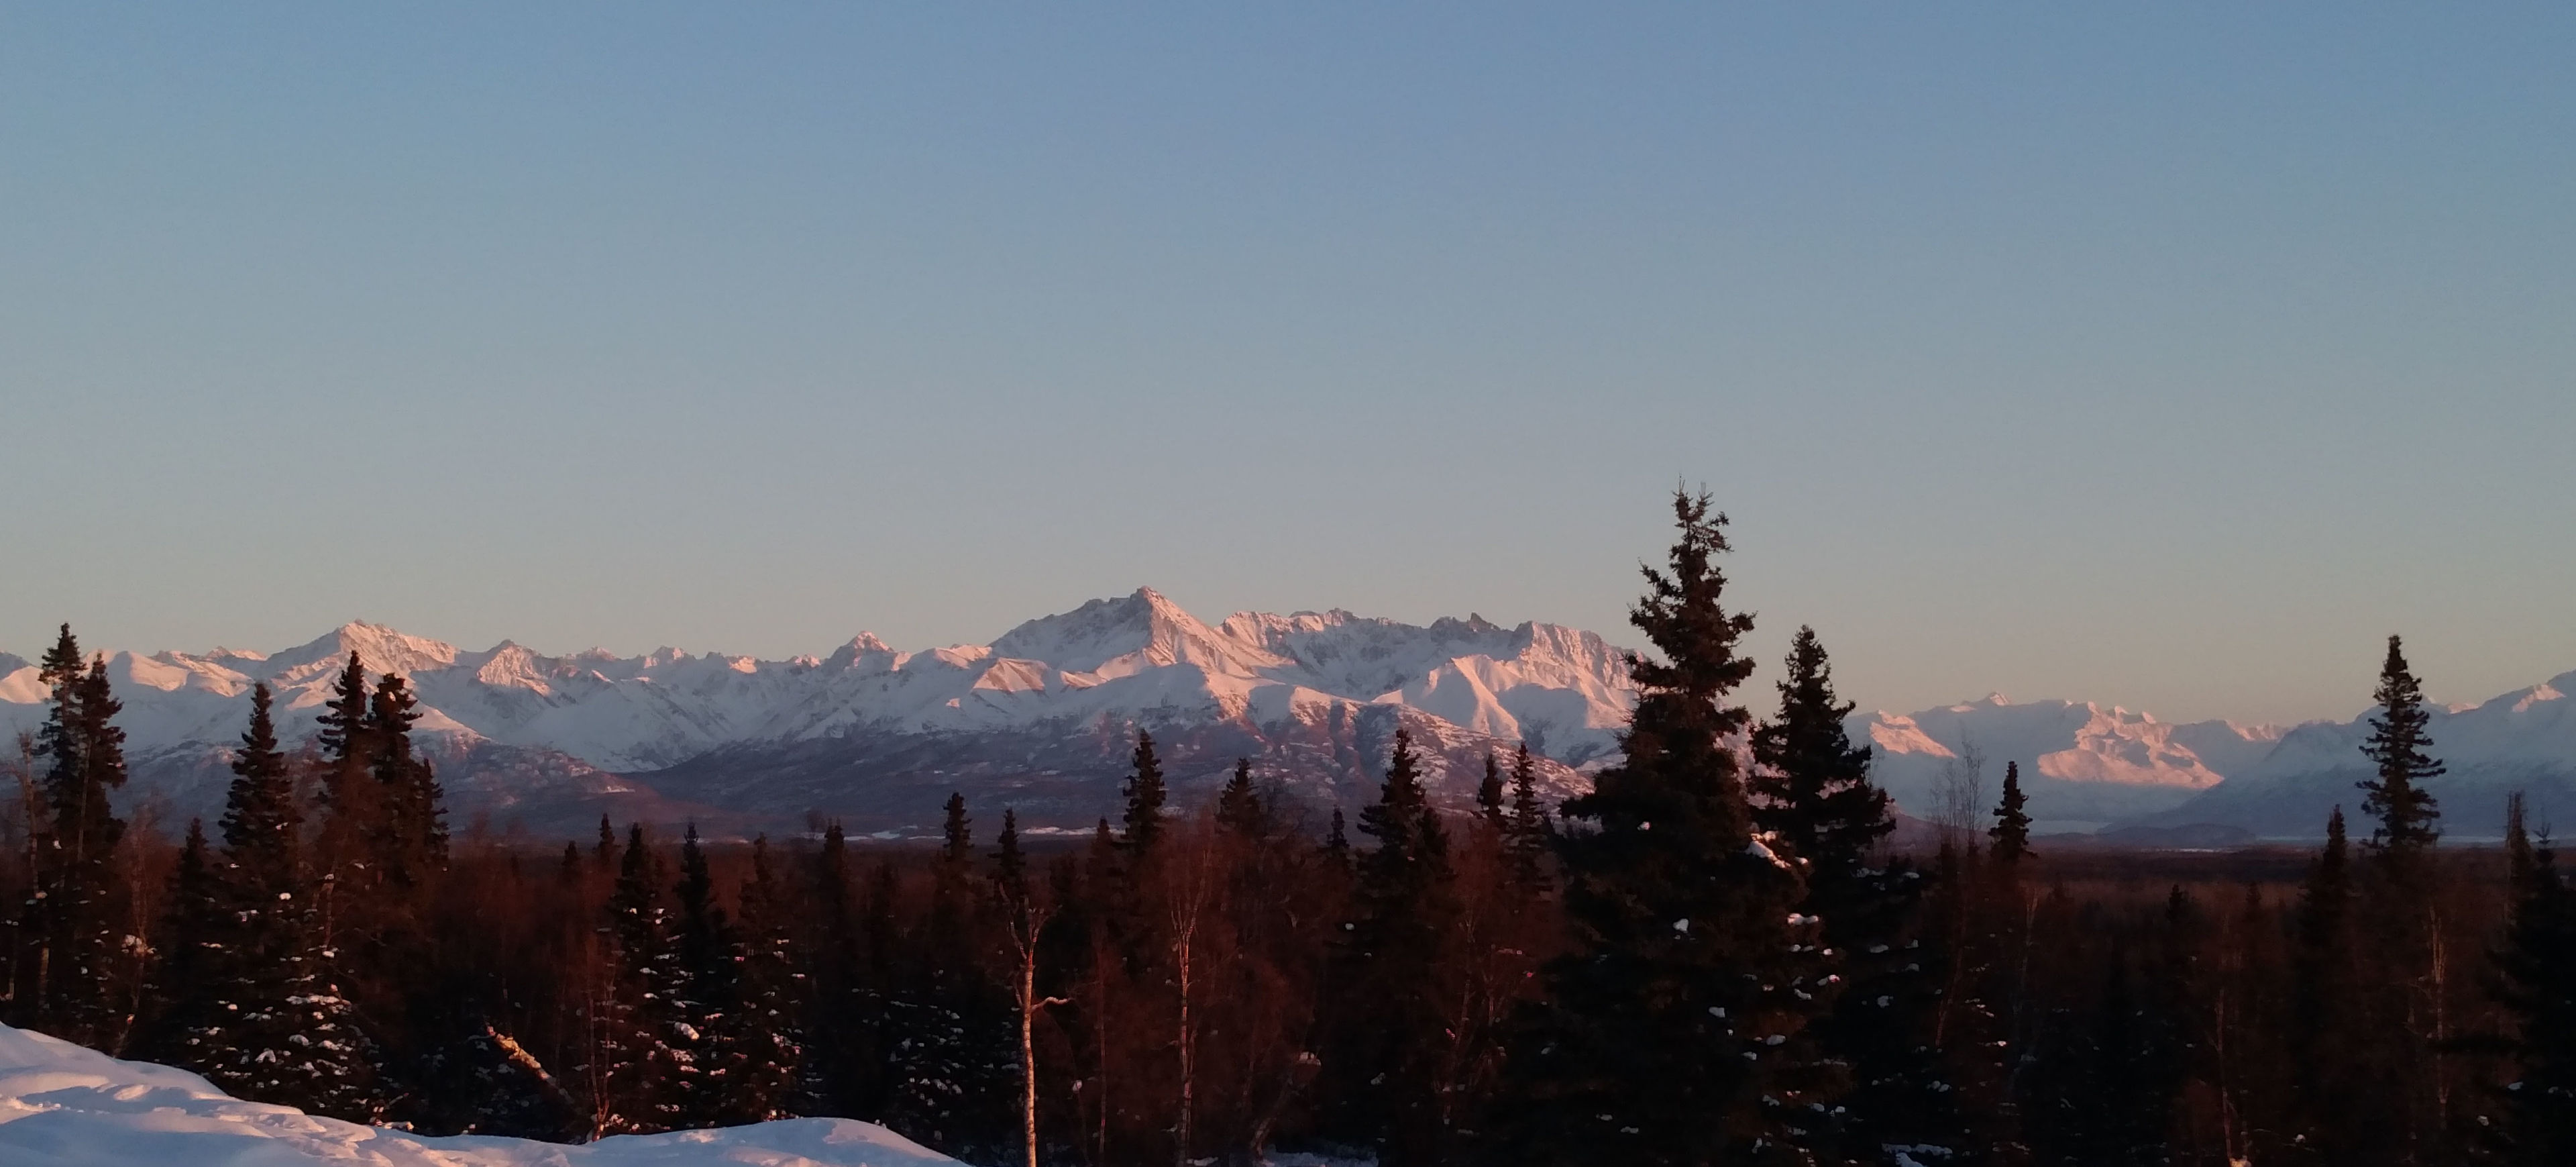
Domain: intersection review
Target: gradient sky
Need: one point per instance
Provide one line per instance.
(2169, 356)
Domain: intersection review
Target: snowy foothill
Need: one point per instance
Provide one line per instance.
(65, 1106)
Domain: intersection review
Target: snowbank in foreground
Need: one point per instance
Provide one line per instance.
(65, 1106)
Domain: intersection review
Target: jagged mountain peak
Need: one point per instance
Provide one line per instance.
(380, 649)
(1124, 636)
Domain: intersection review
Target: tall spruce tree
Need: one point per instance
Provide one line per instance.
(411, 836)
(71, 983)
(949, 1028)
(294, 1039)
(2402, 1020)
(2398, 740)
(1145, 795)
(1871, 1022)
(702, 988)
(1336, 847)
(1010, 866)
(2537, 988)
(1391, 970)
(2011, 831)
(1489, 794)
(193, 955)
(346, 863)
(1813, 790)
(637, 1017)
(1528, 833)
(1239, 808)
(1664, 1026)
(845, 1064)
(761, 1041)
(263, 823)
(2320, 971)
(348, 868)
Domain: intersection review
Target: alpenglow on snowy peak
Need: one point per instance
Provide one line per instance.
(1042, 717)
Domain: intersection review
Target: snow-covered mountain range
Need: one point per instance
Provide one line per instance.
(2087, 766)
(1043, 718)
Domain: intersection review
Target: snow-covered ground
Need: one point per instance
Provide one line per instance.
(65, 1106)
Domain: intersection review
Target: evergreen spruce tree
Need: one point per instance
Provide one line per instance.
(1337, 844)
(1010, 865)
(294, 1039)
(762, 1043)
(2398, 740)
(1144, 794)
(1664, 1026)
(637, 1017)
(194, 955)
(2320, 962)
(603, 854)
(1814, 798)
(1489, 794)
(348, 866)
(69, 984)
(1528, 833)
(950, 1032)
(952, 893)
(411, 837)
(1391, 971)
(1811, 785)
(2537, 988)
(701, 958)
(2344, 1103)
(2011, 831)
(2392, 1103)
(845, 1064)
(344, 739)
(1239, 808)
(262, 822)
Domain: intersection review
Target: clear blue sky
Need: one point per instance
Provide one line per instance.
(2168, 355)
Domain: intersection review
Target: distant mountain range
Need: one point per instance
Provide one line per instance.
(2089, 768)
(1043, 720)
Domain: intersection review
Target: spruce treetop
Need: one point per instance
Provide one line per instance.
(344, 717)
(1238, 806)
(1680, 739)
(260, 813)
(1489, 792)
(1010, 864)
(1811, 784)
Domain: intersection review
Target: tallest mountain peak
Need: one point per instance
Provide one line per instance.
(379, 649)
(1144, 629)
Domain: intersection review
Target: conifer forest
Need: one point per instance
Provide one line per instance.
(1723, 953)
